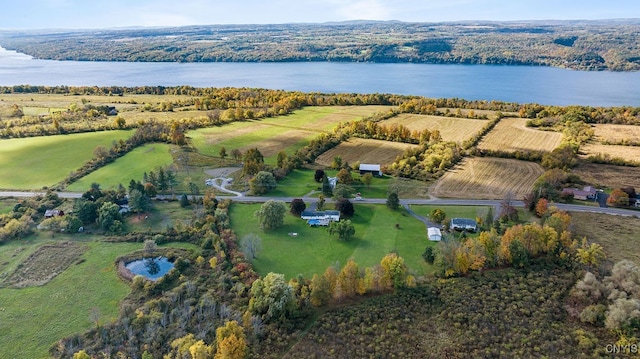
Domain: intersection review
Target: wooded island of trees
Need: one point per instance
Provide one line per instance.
(584, 45)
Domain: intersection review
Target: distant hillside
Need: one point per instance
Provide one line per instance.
(584, 45)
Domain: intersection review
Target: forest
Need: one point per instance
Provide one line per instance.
(583, 45)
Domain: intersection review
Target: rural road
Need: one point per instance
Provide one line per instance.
(403, 202)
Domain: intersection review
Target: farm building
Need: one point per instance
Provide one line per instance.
(369, 168)
(584, 194)
(463, 224)
(434, 234)
(53, 213)
(320, 218)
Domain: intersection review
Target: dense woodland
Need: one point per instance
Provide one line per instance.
(585, 45)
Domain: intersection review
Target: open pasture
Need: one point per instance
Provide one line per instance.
(283, 133)
(133, 165)
(313, 249)
(617, 133)
(628, 153)
(511, 134)
(617, 235)
(31, 163)
(611, 176)
(488, 178)
(87, 293)
(450, 128)
(364, 151)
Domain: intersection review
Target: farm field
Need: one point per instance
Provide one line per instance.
(511, 134)
(130, 166)
(610, 176)
(364, 151)
(629, 153)
(313, 249)
(488, 178)
(283, 133)
(617, 235)
(31, 163)
(616, 133)
(450, 128)
(34, 318)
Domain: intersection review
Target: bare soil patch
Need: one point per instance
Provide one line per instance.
(45, 263)
(365, 151)
(450, 128)
(511, 134)
(488, 178)
(222, 171)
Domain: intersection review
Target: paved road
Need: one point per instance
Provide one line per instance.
(403, 202)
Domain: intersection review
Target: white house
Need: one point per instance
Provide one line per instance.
(370, 168)
(434, 234)
(463, 224)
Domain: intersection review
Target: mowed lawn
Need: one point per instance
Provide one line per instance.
(313, 249)
(32, 319)
(300, 182)
(282, 133)
(31, 163)
(133, 165)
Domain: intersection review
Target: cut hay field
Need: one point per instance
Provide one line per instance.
(313, 249)
(31, 163)
(488, 178)
(628, 153)
(610, 176)
(451, 128)
(616, 133)
(364, 151)
(511, 134)
(130, 166)
(283, 133)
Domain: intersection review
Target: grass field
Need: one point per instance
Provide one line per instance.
(488, 178)
(283, 133)
(511, 134)
(31, 163)
(609, 176)
(616, 133)
(34, 318)
(618, 235)
(301, 182)
(451, 128)
(631, 153)
(313, 250)
(364, 151)
(130, 166)
(162, 215)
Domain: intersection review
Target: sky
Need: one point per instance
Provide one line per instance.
(97, 14)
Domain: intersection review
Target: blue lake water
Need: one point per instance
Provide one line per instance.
(152, 268)
(523, 84)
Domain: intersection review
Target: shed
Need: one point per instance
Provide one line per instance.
(370, 168)
(434, 234)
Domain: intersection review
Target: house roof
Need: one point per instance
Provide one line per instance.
(369, 167)
(463, 222)
(319, 213)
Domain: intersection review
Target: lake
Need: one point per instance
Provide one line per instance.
(523, 84)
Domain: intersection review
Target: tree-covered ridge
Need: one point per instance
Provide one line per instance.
(585, 45)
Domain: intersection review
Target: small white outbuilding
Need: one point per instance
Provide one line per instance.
(434, 234)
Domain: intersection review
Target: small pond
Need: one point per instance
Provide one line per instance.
(151, 268)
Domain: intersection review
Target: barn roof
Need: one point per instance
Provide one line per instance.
(369, 167)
